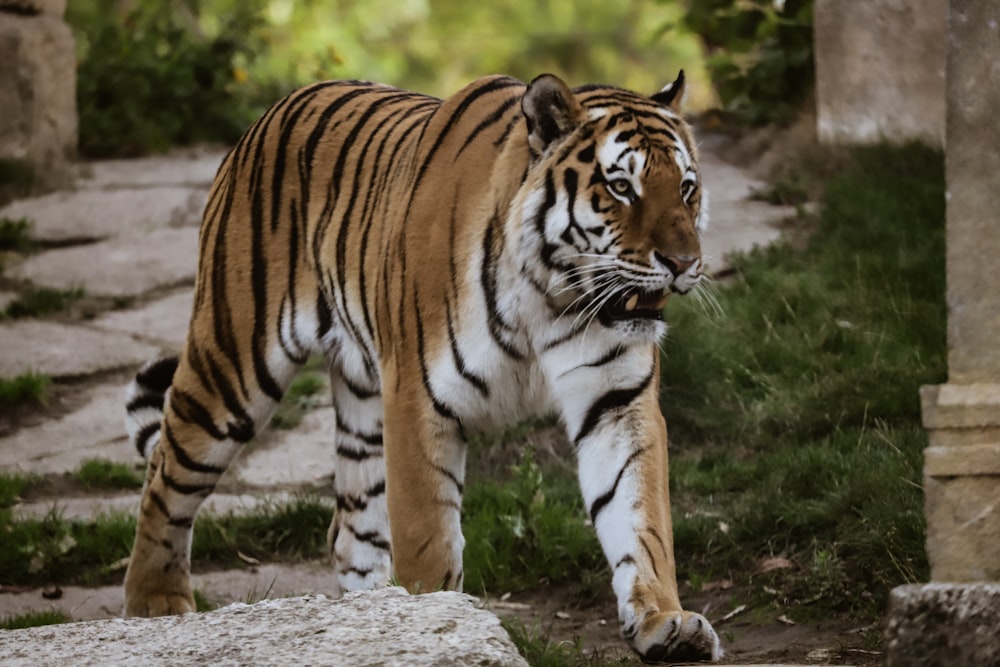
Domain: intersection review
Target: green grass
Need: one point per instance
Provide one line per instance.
(39, 301)
(293, 530)
(53, 550)
(15, 234)
(301, 395)
(25, 389)
(526, 530)
(795, 417)
(103, 474)
(12, 486)
(540, 651)
(34, 619)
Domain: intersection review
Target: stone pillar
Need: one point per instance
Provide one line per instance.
(880, 70)
(962, 464)
(957, 621)
(38, 121)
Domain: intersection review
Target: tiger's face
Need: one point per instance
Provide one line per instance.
(621, 208)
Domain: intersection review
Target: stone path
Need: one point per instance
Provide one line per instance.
(130, 231)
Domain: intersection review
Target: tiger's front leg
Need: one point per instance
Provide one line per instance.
(621, 443)
(425, 471)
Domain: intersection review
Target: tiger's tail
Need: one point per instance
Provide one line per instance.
(146, 396)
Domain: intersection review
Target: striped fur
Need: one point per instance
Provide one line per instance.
(461, 264)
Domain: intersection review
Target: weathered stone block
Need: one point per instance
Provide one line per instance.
(962, 481)
(386, 627)
(943, 625)
(880, 70)
(963, 527)
(38, 122)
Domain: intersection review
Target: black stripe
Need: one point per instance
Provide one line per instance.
(186, 489)
(439, 406)
(357, 390)
(356, 454)
(459, 360)
(158, 375)
(190, 410)
(488, 279)
(177, 522)
(612, 400)
(470, 98)
(652, 561)
(602, 500)
(491, 119)
(144, 434)
(184, 460)
(374, 439)
(624, 560)
(153, 401)
(372, 537)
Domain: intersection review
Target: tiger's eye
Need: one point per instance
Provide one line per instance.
(621, 186)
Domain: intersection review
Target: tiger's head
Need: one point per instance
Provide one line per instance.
(613, 202)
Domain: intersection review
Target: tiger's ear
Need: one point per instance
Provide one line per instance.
(550, 111)
(672, 93)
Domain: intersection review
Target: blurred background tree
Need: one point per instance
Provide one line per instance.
(157, 73)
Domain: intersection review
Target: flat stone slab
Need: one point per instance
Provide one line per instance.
(302, 456)
(256, 583)
(66, 351)
(191, 167)
(944, 624)
(386, 627)
(99, 214)
(737, 223)
(96, 430)
(125, 266)
(86, 508)
(164, 320)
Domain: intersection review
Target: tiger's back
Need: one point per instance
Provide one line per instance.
(459, 263)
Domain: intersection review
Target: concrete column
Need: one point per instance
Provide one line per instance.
(956, 621)
(880, 70)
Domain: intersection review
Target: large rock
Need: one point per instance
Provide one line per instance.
(386, 627)
(38, 122)
(944, 624)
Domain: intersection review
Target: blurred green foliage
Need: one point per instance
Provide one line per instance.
(760, 54)
(150, 76)
(162, 72)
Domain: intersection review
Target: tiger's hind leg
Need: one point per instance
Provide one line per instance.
(212, 410)
(359, 538)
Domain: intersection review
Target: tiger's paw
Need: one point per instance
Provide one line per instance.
(677, 636)
(159, 604)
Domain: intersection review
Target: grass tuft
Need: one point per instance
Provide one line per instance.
(39, 301)
(26, 389)
(301, 396)
(35, 619)
(15, 235)
(12, 486)
(103, 474)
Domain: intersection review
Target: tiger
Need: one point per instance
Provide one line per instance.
(460, 264)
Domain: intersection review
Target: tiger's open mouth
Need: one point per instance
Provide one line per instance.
(635, 304)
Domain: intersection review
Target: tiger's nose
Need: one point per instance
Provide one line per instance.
(676, 264)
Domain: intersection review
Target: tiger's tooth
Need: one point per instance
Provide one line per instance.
(632, 302)
(663, 301)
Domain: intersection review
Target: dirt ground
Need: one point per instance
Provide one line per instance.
(559, 613)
